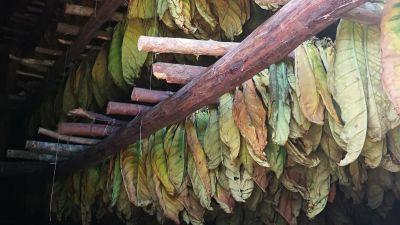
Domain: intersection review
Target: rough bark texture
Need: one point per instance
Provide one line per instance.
(85, 129)
(176, 73)
(21, 154)
(126, 109)
(184, 46)
(149, 96)
(268, 44)
(69, 139)
(96, 117)
(53, 148)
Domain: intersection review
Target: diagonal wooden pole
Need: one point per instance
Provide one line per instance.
(270, 42)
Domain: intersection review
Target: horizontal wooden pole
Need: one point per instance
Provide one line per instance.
(68, 42)
(268, 44)
(79, 10)
(184, 46)
(54, 148)
(85, 129)
(21, 154)
(74, 30)
(69, 139)
(48, 51)
(96, 117)
(31, 61)
(149, 96)
(126, 109)
(176, 73)
(22, 73)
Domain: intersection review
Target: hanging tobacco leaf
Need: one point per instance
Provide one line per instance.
(229, 133)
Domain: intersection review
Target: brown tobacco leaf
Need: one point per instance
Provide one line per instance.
(260, 177)
(249, 127)
(332, 193)
(289, 206)
(224, 199)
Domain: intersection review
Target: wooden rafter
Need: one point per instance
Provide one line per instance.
(269, 43)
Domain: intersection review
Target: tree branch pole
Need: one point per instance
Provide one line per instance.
(48, 51)
(85, 129)
(149, 96)
(269, 43)
(96, 117)
(53, 148)
(21, 154)
(126, 109)
(74, 30)
(71, 139)
(78, 10)
(176, 73)
(22, 73)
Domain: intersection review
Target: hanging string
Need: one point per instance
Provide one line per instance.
(53, 180)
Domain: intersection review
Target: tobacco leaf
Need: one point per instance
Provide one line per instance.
(280, 106)
(204, 9)
(100, 78)
(129, 163)
(261, 81)
(393, 143)
(276, 156)
(349, 64)
(212, 142)
(180, 10)
(289, 206)
(228, 131)
(144, 197)
(116, 181)
(296, 153)
(142, 9)
(224, 199)
(229, 17)
(373, 152)
(390, 45)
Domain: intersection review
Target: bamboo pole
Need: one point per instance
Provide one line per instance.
(48, 51)
(96, 117)
(22, 73)
(21, 154)
(184, 46)
(176, 73)
(126, 109)
(54, 148)
(68, 42)
(85, 129)
(69, 29)
(78, 10)
(266, 45)
(149, 96)
(70, 139)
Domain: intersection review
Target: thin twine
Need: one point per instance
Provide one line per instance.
(53, 180)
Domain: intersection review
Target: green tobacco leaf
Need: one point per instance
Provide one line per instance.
(99, 77)
(175, 150)
(204, 10)
(180, 10)
(129, 162)
(202, 118)
(276, 156)
(212, 142)
(347, 81)
(159, 161)
(144, 197)
(117, 181)
(229, 133)
(229, 15)
(390, 45)
(115, 57)
(261, 80)
(131, 58)
(143, 9)
(280, 103)
(245, 159)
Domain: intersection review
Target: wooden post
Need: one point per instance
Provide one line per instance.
(21, 154)
(78, 10)
(85, 129)
(48, 51)
(126, 109)
(177, 73)
(268, 44)
(184, 46)
(74, 30)
(149, 96)
(53, 148)
(71, 139)
(96, 117)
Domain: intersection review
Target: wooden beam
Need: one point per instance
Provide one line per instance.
(69, 139)
(96, 117)
(48, 51)
(53, 148)
(184, 46)
(79, 10)
(126, 109)
(22, 154)
(176, 73)
(266, 45)
(69, 29)
(85, 129)
(149, 96)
